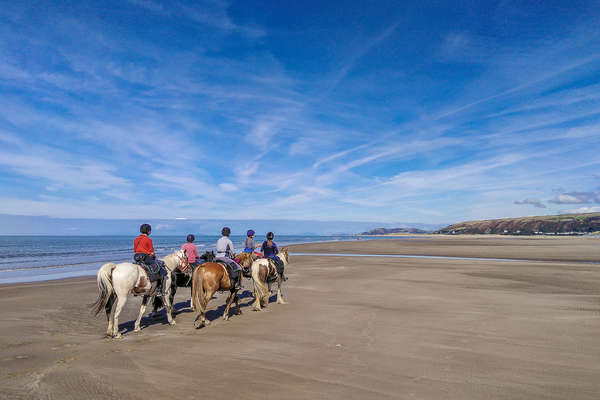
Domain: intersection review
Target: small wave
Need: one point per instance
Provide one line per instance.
(71, 265)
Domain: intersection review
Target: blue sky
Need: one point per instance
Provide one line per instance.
(364, 111)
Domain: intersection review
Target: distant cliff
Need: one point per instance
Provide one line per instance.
(385, 231)
(549, 224)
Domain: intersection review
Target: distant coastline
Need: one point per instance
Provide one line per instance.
(558, 225)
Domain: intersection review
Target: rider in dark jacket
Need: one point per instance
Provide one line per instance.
(270, 250)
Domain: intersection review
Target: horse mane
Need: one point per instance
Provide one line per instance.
(285, 258)
(245, 259)
(173, 259)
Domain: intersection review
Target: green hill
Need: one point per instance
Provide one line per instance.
(548, 224)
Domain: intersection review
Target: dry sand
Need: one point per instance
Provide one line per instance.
(355, 328)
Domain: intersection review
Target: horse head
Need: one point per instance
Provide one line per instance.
(208, 256)
(245, 259)
(177, 259)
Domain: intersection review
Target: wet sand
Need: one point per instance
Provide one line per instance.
(355, 328)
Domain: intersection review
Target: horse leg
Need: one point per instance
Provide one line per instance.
(202, 312)
(169, 310)
(109, 315)
(279, 295)
(172, 297)
(209, 294)
(136, 326)
(237, 304)
(256, 305)
(229, 300)
(121, 300)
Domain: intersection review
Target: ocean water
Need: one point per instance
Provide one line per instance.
(38, 258)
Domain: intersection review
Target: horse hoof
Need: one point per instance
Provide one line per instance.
(118, 336)
(138, 329)
(172, 323)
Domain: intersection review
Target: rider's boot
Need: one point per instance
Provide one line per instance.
(238, 281)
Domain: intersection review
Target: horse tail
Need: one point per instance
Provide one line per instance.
(105, 287)
(261, 291)
(198, 297)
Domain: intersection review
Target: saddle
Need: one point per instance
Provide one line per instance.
(230, 271)
(154, 271)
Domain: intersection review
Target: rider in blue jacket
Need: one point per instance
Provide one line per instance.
(270, 250)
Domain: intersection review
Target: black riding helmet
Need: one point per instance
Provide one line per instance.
(270, 236)
(190, 238)
(225, 231)
(145, 228)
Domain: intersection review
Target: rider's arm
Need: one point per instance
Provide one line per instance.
(151, 247)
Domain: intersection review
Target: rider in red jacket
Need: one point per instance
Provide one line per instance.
(144, 253)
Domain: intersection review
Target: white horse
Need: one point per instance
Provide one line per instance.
(120, 280)
(264, 274)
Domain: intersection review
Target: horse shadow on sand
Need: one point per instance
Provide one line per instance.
(182, 307)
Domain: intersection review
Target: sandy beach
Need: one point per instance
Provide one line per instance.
(355, 328)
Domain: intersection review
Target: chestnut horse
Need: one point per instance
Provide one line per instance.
(245, 261)
(264, 274)
(207, 279)
(117, 281)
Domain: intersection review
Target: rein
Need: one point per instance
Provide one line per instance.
(183, 260)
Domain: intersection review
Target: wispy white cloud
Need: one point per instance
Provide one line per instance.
(64, 173)
(577, 198)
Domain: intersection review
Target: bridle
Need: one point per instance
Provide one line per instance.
(183, 260)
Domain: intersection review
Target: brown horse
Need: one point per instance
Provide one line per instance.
(207, 279)
(264, 274)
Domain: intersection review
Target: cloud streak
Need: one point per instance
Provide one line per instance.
(531, 201)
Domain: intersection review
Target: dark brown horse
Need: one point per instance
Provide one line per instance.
(181, 278)
(207, 279)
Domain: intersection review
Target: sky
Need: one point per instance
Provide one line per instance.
(424, 112)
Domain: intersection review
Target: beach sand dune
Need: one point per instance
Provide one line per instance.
(355, 328)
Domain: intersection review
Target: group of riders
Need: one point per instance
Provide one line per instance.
(144, 255)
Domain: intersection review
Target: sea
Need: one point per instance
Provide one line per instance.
(41, 258)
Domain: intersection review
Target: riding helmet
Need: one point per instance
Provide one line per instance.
(225, 231)
(145, 228)
(190, 238)
(250, 233)
(270, 236)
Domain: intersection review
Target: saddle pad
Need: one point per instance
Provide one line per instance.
(151, 276)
